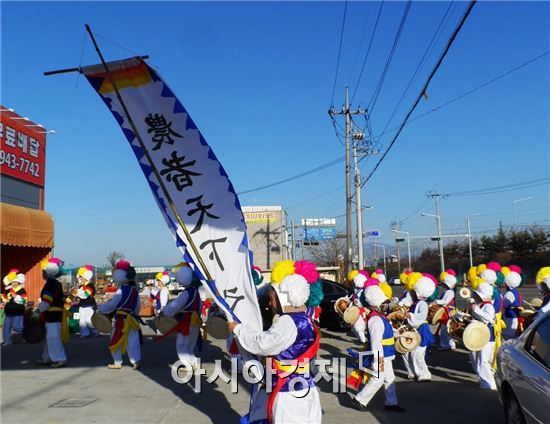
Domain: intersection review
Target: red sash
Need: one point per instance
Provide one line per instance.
(304, 358)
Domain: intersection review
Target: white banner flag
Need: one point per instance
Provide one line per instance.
(190, 185)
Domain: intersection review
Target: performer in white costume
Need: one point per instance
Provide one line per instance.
(359, 327)
(415, 361)
(126, 333)
(543, 284)
(382, 343)
(291, 343)
(186, 308)
(54, 313)
(14, 304)
(159, 295)
(87, 304)
(447, 300)
(512, 302)
(484, 311)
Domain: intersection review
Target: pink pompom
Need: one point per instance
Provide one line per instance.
(306, 269)
(122, 264)
(451, 272)
(430, 276)
(14, 270)
(372, 282)
(515, 268)
(257, 268)
(495, 266)
(89, 267)
(379, 271)
(55, 261)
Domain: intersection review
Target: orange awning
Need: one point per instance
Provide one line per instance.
(25, 227)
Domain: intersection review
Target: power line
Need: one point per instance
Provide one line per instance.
(368, 51)
(295, 177)
(502, 188)
(471, 91)
(374, 98)
(438, 64)
(420, 65)
(339, 52)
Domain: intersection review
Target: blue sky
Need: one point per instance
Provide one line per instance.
(257, 79)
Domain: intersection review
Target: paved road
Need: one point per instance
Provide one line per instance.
(30, 393)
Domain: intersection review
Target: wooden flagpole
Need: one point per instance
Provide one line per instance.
(151, 164)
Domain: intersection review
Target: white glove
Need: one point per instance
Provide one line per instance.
(17, 299)
(43, 306)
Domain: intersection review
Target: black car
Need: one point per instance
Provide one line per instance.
(333, 291)
(329, 318)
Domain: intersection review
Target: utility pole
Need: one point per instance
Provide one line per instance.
(435, 195)
(394, 226)
(293, 241)
(470, 241)
(347, 113)
(358, 204)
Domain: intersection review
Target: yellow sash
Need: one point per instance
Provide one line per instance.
(129, 323)
(65, 336)
(498, 327)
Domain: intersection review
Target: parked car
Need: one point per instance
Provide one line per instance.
(329, 318)
(523, 375)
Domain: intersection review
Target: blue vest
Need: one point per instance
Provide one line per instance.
(129, 299)
(388, 342)
(497, 301)
(423, 329)
(512, 309)
(304, 339)
(545, 302)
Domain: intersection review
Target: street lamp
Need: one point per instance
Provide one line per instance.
(440, 238)
(514, 207)
(470, 238)
(384, 251)
(408, 243)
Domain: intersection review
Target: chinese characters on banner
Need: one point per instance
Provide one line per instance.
(22, 148)
(193, 179)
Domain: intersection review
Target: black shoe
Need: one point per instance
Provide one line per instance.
(355, 404)
(394, 408)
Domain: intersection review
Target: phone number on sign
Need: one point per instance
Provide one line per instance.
(24, 165)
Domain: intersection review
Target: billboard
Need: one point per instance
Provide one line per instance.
(23, 148)
(313, 235)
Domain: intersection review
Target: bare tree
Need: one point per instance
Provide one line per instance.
(329, 253)
(113, 257)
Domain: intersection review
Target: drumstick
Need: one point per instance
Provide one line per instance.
(528, 304)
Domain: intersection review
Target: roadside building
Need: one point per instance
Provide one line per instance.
(267, 233)
(26, 229)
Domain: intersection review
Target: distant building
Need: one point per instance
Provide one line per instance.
(267, 234)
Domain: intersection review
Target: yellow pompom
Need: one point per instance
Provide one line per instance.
(475, 282)
(386, 288)
(352, 274)
(443, 275)
(412, 279)
(472, 274)
(481, 268)
(280, 270)
(44, 263)
(505, 270)
(11, 276)
(159, 275)
(403, 277)
(543, 273)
